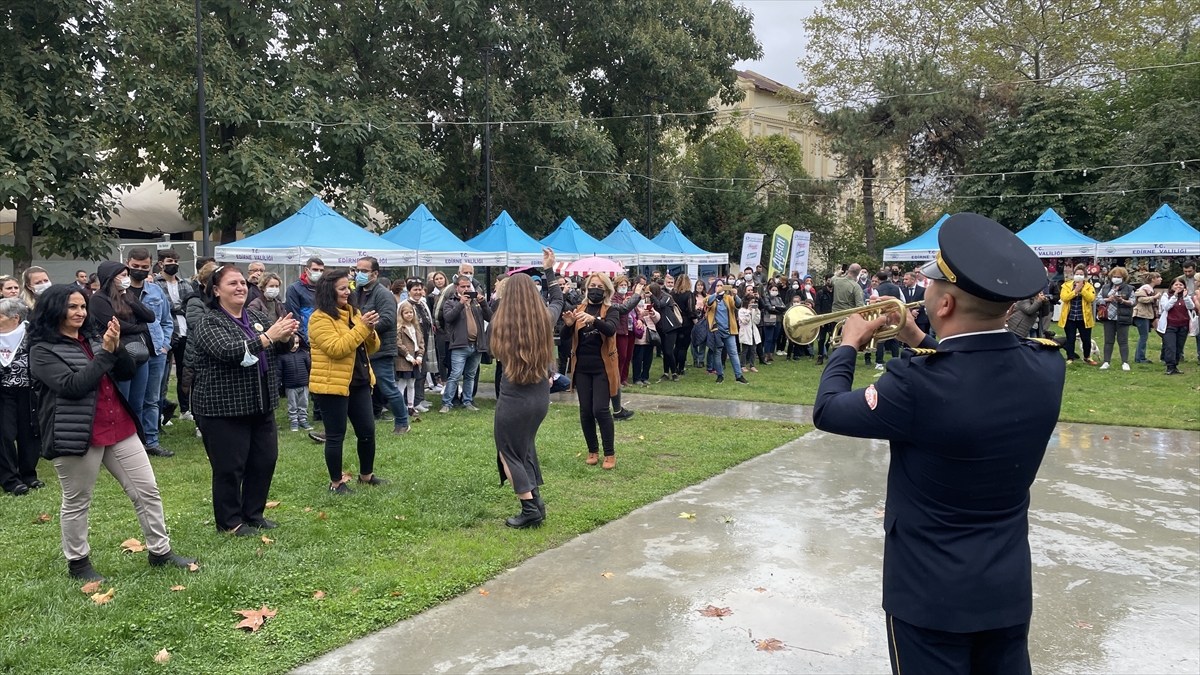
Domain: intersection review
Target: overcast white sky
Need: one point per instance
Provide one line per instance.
(777, 25)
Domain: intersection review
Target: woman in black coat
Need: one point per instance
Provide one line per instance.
(86, 422)
(18, 412)
(669, 324)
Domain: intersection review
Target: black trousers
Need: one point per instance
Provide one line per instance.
(892, 346)
(594, 411)
(823, 336)
(18, 438)
(1003, 651)
(683, 340)
(242, 452)
(1085, 336)
(336, 410)
(670, 366)
(181, 392)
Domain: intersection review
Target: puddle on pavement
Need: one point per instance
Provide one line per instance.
(766, 615)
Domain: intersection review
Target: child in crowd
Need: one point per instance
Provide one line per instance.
(410, 345)
(294, 368)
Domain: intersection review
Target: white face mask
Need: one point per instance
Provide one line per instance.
(249, 359)
(1078, 277)
(622, 289)
(38, 289)
(1117, 280)
(272, 292)
(124, 282)
(314, 277)
(748, 277)
(774, 293)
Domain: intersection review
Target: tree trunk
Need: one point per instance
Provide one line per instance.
(868, 204)
(23, 238)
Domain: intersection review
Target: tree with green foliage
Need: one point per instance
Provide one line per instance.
(51, 171)
(1050, 129)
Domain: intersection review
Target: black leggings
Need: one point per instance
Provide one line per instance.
(668, 350)
(683, 340)
(593, 410)
(1085, 336)
(335, 410)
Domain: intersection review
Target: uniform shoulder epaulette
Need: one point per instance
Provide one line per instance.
(917, 351)
(1044, 342)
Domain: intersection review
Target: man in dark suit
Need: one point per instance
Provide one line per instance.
(911, 292)
(885, 288)
(81, 281)
(968, 420)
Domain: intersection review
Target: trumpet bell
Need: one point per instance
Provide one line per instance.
(799, 327)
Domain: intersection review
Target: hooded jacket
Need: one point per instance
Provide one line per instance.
(100, 307)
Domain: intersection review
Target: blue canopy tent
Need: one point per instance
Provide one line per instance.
(315, 231)
(1050, 237)
(922, 247)
(1165, 234)
(435, 245)
(625, 238)
(570, 242)
(672, 239)
(503, 236)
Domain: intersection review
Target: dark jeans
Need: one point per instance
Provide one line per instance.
(643, 356)
(1118, 332)
(180, 392)
(1143, 326)
(564, 353)
(1085, 336)
(1003, 651)
(594, 411)
(1173, 341)
(770, 335)
(669, 352)
(336, 410)
(892, 346)
(18, 439)
(242, 452)
(823, 336)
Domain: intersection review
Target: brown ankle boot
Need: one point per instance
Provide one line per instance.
(609, 462)
(593, 457)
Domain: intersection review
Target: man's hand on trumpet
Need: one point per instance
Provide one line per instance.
(857, 331)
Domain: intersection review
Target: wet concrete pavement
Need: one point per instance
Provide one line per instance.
(684, 405)
(791, 542)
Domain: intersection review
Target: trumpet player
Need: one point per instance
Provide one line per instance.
(968, 419)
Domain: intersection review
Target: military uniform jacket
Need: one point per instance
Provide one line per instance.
(968, 421)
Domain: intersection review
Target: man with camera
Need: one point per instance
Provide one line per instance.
(464, 316)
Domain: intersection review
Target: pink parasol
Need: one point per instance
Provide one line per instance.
(587, 266)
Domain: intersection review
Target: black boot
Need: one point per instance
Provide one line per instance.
(537, 498)
(169, 558)
(529, 516)
(82, 569)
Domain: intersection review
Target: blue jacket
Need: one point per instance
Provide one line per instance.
(968, 425)
(156, 300)
(300, 304)
(294, 368)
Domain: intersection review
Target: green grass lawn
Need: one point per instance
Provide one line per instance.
(1143, 397)
(381, 555)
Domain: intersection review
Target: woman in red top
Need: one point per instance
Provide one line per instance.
(86, 422)
(1177, 308)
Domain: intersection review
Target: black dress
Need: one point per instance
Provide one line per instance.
(520, 409)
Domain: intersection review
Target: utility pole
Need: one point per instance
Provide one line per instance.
(207, 243)
(649, 183)
(487, 132)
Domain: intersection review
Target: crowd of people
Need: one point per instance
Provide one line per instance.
(85, 365)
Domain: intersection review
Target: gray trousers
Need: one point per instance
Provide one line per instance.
(1120, 333)
(297, 405)
(127, 462)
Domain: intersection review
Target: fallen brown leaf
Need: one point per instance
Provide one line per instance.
(133, 546)
(760, 589)
(354, 590)
(318, 595)
(193, 567)
(879, 512)
(254, 618)
(1083, 624)
(1137, 435)
(271, 505)
(177, 588)
(90, 587)
(689, 516)
(771, 645)
(606, 575)
(714, 611)
(307, 509)
(42, 518)
(396, 594)
(258, 552)
(102, 598)
(267, 540)
(482, 592)
(1106, 438)
(162, 656)
(322, 516)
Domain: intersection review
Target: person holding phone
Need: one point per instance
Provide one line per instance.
(464, 317)
(1076, 319)
(1177, 309)
(594, 365)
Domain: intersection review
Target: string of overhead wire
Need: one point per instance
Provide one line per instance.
(434, 123)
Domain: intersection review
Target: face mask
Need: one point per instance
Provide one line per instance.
(748, 277)
(1078, 277)
(171, 270)
(124, 282)
(467, 275)
(138, 275)
(272, 292)
(795, 285)
(314, 277)
(595, 295)
(248, 359)
(670, 287)
(774, 293)
(730, 282)
(1117, 280)
(622, 289)
(362, 278)
(38, 289)
(795, 304)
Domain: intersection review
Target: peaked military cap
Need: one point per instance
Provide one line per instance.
(985, 259)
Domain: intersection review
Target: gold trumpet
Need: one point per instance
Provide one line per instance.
(802, 325)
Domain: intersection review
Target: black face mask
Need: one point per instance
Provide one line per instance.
(171, 270)
(595, 295)
(138, 275)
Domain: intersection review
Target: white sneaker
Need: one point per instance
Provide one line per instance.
(1124, 366)
(187, 416)
(780, 353)
(198, 434)
(879, 366)
(1104, 366)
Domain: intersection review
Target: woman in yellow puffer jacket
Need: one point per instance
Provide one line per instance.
(342, 339)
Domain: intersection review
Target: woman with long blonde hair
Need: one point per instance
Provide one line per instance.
(523, 340)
